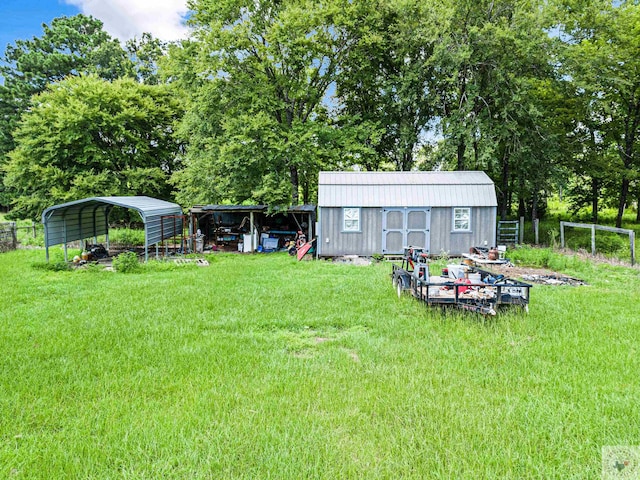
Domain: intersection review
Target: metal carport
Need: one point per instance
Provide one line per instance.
(89, 217)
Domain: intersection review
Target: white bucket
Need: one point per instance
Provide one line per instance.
(475, 278)
(456, 271)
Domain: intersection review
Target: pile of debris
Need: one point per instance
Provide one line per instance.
(552, 280)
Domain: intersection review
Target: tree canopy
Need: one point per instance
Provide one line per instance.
(85, 136)
(264, 95)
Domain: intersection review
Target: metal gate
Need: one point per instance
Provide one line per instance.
(405, 227)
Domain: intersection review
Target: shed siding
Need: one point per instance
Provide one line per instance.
(366, 242)
(369, 240)
(443, 239)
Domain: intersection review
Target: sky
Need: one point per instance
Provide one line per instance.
(123, 19)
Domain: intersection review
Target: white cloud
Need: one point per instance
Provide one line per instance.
(125, 19)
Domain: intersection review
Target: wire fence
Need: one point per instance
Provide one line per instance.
(12, 234)
(8, 236)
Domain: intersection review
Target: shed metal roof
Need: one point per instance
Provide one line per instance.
(251, 208)
(406, 189)
(88, 218)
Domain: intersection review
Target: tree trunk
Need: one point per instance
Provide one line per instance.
(295, 196)
(504, 207)
(631, 129)
(461, 149)
(624, 192)
(476, 155)
(305, 192)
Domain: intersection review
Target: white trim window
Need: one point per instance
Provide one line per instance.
(350, 219)
(462, 219)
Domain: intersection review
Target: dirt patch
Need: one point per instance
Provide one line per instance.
(536, 275)
(353, 260)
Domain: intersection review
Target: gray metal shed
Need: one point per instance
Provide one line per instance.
(89, 217)
(363, 213)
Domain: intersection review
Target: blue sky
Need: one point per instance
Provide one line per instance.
(23, 19)
(123, 19)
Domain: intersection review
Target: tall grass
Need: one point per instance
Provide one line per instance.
(607, 243)
(263, 367)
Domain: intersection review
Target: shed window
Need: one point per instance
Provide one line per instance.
(462, 219)
(351, 219)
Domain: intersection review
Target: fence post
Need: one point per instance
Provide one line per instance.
(561, 234)
(14, 234)
(536, 223)
(632, 244)
(593, 240)
(33, 226)
(521, 230)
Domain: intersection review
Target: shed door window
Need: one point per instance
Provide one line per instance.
(351, 219)
(461, 219)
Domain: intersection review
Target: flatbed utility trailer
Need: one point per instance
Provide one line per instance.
(484, 293)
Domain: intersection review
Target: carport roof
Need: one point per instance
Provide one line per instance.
(144, 205)
(88, 217)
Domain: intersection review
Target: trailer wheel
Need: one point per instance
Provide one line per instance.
(399, 288)
(394, 281)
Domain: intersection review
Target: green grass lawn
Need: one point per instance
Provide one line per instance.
(262, 367)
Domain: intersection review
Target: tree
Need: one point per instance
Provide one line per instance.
(267, 68)
(496, 93)
(602, 40)
(69, 46)
(386, 78)
(145, 54)
(85, 136)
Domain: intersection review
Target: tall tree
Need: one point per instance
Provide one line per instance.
(602, 41)
(69, 46)
(386, 78)
(496, 91)
(270, 65)
(85, 136)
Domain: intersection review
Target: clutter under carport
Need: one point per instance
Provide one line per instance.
(250, 228)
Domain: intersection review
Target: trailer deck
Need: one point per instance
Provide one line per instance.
(475, 290)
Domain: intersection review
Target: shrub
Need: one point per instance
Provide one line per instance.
(53, 266)
(126, 236)
(126, 262)
(377, 257)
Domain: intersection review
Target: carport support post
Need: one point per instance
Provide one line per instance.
(46, 242)
(64, 228)
(251, 232)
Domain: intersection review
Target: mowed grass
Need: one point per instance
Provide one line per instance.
(259, 366)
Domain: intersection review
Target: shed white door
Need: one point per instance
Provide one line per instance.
(403, 227)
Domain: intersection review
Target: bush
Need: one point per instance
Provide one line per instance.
(126, 262)
(53, 266)
(126, 236)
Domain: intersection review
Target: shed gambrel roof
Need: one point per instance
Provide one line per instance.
(406, 189)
